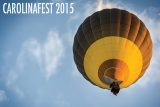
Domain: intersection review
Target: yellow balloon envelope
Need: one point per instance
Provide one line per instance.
(115, 43)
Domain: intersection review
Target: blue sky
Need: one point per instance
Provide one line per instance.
(36, 60)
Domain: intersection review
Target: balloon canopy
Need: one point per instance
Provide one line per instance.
(114, 43)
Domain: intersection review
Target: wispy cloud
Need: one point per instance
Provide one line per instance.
(53, 51)
(40, 58)
(101, 4)
(47, 55)
(3, 96)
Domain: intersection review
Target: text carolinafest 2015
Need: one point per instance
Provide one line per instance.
(38, 8)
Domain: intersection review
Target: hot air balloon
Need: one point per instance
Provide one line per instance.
(112, 48)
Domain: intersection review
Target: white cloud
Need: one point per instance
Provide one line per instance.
(47, 55)
(108, 4)
(91, 7)
(74, 17)
(36, 58)
(53, 51)
(3, 96)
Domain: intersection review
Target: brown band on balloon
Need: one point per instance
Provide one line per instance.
(114, 68)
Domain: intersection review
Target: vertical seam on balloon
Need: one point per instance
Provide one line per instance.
(78, 53)
(139, 23)
(145, 38)
(76, 39)
(129, 28)
(142, 24)
(119, 24)
(84, 35)
(100, 24)
(91, 28)
(80, 42)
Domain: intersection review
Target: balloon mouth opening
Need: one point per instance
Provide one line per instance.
(115, 69)
(114, 73)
